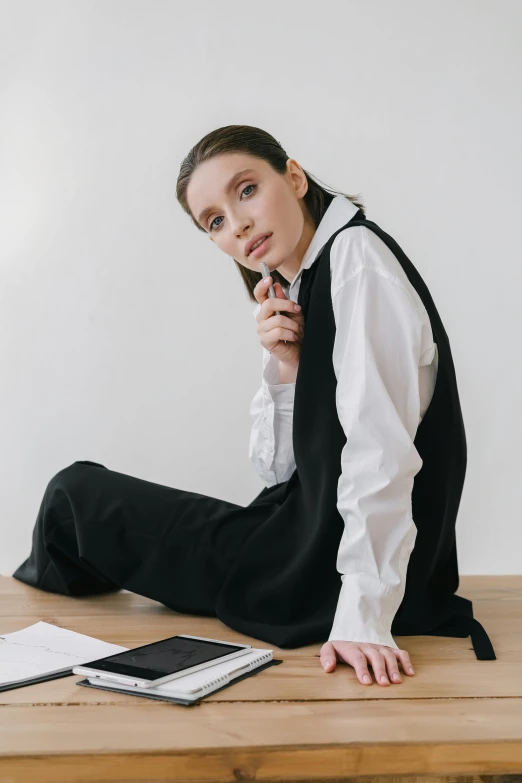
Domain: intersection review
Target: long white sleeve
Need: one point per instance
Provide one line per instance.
(377, 353)
(271, 447)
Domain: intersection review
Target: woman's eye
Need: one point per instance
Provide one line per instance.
(220, 216)
(210, 227)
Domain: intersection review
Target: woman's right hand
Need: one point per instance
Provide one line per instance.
(274, 329)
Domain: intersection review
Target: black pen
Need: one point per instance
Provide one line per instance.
(265, 271)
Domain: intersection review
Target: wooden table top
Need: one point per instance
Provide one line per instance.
(456, 718)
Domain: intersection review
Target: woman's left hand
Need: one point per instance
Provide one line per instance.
(359, 653)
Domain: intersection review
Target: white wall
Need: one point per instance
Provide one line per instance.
(126, 336)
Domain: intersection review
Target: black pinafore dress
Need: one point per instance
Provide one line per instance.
(268, 570)
(284, 585)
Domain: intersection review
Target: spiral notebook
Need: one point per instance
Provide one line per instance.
(191, 688)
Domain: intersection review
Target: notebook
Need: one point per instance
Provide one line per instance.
(43, 651)
(191, 688)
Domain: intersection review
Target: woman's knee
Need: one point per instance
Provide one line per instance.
(62, 479)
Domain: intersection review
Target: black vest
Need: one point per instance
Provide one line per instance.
(284, 586)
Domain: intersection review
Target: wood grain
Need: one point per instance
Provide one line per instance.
(457, 719)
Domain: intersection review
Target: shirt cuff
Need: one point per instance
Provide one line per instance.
(281, 394)
(365, 611)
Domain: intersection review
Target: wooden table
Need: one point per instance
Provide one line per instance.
(457, 719)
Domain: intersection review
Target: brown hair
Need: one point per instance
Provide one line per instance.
(260, 144)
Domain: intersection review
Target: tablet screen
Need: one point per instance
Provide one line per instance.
(158, 659)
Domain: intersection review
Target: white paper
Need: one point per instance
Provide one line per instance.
(43, 648)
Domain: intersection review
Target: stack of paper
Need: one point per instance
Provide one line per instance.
(191, 688)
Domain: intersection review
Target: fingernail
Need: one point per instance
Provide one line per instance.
(297, 307)
(411, 670)
(327, 664)
(397, 677)
(384, 678)
(367, 678)
(266, 280)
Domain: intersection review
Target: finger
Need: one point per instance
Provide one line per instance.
(280, 333)
(378, 665)
(392, 665)
(282, 321)
(352, 653)
(291, 319)
(271, 304)
(263, 286)
(280, 294)
(261, 289)
(272, 339)
(405, 661)
(270, 336)
(328, 657)
(358, 660)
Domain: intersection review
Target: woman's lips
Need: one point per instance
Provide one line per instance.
(262, 248)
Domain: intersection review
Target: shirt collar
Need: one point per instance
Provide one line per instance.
(339, 212)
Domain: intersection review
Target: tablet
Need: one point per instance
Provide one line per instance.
(161, 661)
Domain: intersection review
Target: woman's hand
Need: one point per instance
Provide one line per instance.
(273, 329)
(357, 653)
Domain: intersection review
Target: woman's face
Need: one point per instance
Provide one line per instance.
(234, 207)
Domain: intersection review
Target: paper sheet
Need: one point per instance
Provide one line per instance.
(42, 649)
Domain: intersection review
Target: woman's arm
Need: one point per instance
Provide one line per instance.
(271, 448)
(376, 360)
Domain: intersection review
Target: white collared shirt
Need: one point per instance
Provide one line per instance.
(385, 362)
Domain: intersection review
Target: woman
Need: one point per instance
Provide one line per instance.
(357, 434)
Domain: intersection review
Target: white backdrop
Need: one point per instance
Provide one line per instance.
(127, 338)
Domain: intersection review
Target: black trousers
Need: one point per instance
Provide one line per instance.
(99, 531)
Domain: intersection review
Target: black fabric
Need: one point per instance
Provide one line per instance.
(99, 531)
(267, 569)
